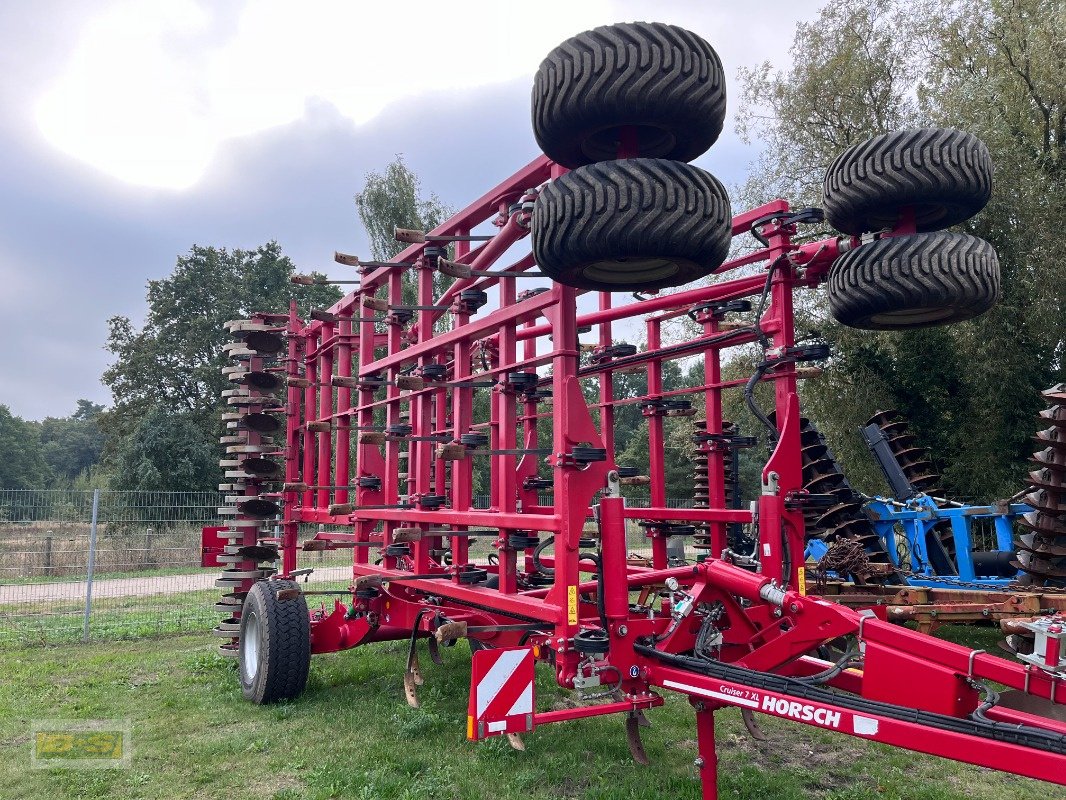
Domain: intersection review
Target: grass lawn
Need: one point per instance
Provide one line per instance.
(351, 735)
(58, 622)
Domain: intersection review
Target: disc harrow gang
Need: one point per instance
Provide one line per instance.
(249, 553)
(918, 468)
(395, 411)
(839, 520)
(1042, 542)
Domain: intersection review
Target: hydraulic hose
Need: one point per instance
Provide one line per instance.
(977, 725)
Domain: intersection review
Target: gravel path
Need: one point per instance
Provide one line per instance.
(132, 587)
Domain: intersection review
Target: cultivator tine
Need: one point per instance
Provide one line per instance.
(434, 651)
(412, 678)
(636, 745)
(454, 269)
(410, 236)
(515, 740)
(752, 725)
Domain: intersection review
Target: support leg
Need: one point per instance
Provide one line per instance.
(707, 762)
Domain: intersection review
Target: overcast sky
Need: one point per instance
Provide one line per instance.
(130, 131)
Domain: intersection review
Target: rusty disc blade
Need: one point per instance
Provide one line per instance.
(1056, 394)
(916, 468)
(260, 423)
(262, 467)
(1035, 565)
(1045, 524)
(264, 342)
(264, 381)
(822, 466)
(259, 508)
(830, 481)
(883, 417)
(1046, 501)
(925, 482)
(814, 452)
(901, 442)
(1040, 546)
(1056, 415)
(1050, 458)
(860, 526)
(1052, 437)
(1047, 480)
(838, 513)
(894, 429)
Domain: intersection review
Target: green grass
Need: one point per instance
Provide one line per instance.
(57, 622)
(351, 735)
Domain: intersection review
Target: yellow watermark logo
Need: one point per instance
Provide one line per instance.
(84, 744)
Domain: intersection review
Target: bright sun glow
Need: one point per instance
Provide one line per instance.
(151, 89)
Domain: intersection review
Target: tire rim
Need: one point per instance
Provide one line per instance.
(913, 316)
(250, 647)
(632, 270)
(653, 141)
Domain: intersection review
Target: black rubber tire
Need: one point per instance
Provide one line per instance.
(945, 174)
(915, 281)
(282, 653)
(639, 223)
(666, 82)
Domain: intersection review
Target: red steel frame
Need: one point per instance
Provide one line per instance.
(772, 625)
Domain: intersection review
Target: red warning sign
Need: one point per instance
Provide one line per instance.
(501, 693)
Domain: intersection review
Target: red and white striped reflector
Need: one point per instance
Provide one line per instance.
(501, 693)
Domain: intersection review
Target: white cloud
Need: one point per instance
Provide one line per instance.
(150, 90)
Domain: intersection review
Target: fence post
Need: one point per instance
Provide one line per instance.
(48, 554)
(91, 566)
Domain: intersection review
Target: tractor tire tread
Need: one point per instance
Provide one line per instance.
(944, 173)
(286, 643)
(640, 73)
(632, 208)
(946, 270)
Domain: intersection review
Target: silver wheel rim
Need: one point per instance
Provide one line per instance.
(250, 647)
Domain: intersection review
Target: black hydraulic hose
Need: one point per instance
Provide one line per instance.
(761, 369)
(595, 558)
(843, 663)
(749, 400)
(977, 725)
(540, 548)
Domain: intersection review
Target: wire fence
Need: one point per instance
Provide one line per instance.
(140, 574)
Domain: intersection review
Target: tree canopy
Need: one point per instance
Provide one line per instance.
(22, 466)
(173, 364)
(393, 199)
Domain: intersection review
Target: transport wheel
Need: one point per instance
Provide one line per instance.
(943, 173)
(275, 644)
(638, 223)
(914, 282)
(664, 82)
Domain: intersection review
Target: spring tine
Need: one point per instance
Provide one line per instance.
(411, 236)
(456, 270)
(636, 746)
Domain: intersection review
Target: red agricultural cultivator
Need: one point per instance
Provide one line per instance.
(387, 407)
